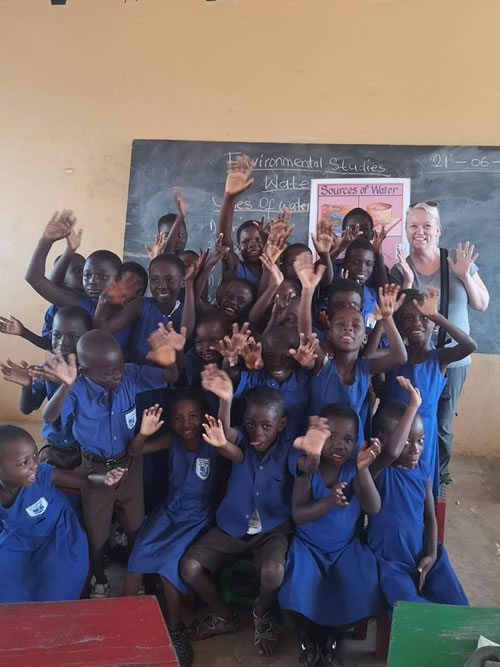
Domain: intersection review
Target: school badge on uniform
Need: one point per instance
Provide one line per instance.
(203, 468)
(37, 508)
(131, 418)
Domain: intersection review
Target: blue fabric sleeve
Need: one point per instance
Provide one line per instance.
(38, 392)
(44, 475)
(147, 377)
(69, 404)
(248, 380)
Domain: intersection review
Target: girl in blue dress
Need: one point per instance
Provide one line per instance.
(413, 566)
(426, 366)
(331, 577)
(188, 508)
(43, 547)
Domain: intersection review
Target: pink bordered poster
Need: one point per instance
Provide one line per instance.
(386, 200)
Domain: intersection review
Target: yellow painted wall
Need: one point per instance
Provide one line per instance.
(80, 82)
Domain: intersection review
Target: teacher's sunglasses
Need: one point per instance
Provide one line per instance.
(433, 204)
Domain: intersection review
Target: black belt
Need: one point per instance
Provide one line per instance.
(63, 450)
(109, 463)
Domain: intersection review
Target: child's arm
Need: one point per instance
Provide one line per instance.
(238, 180)
(219, 383)
(19, 374)
(251, 354)
(274, 278)
(393, 448)
(181, 215)
(56, 369)
(306, 354)
(58, 273)
(117, 293)
(215, 436)
(465, 344)
(207, 265)
(363, 484)
(151, 423)
(278, 311)
(381, 277)
(310, 277)
(323, 241)
(10, 325)
(58, 227)
(167, 348)
(188, 319)
(74, 480)
(371, 347)
(430, 524)
(395, 355)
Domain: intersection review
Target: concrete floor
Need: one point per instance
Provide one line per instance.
(472, 538)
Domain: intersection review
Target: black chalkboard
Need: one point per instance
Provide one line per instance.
(464, 179)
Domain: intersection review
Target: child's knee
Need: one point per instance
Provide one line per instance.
(271, 574)
(189, 569)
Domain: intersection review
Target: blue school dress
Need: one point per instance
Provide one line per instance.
(147, 323)
(187, 510)
(43, 547)
(244, 272)
(428, 378)
(369, 303)
(295, 391)
(330, 575)
(122, 335)
(397, 537)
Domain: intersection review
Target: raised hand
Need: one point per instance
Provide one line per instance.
(429, 305)
(159, 244)
(17, 373)
(414, 398)
(323, 240)
(251, 353)
(465, 259)
(74, 238)
(59, 226)
(424, 567)
(112, 477)
(230, 346)
(305, 354)
(239, 175)
(119, 291)
(348, 236)
(194, 269)
(10, 325)
(408, 275)
(217, 381)
(338, 493)
(280, 305)
(179, 201)
(274, 248)
(56, 369)
(315, 437)
(323, 321)
(214, 432)
(378, 238)
(151, 420)
(308, 274)
(275, 274)
(368, 453)
(387, 297)
(218, 253)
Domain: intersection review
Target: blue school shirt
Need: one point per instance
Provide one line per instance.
(147, 323)
(244, 272)
(57, 432)
(104, 421)
(122, 335)
(295, 391)
(48, 321)
(369, 303)
(261, 482)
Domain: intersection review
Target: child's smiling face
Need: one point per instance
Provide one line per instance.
(19, 461)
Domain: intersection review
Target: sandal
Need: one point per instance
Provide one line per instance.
(210, 625)
(265, 635)
(329, 653)
(308, 650)
(182, 645)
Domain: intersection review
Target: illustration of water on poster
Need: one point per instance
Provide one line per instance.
(385, 200)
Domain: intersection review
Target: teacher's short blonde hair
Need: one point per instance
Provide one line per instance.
(433, 211)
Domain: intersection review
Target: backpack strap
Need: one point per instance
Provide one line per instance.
(444, 269)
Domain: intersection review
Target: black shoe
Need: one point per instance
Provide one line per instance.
(329, 651)
(182, 645)
(308, 650)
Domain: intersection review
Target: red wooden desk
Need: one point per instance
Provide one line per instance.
(118, 631)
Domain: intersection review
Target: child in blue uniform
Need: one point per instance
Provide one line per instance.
(413, 566)
(359, 262)
(101, 269)
(426, 366)
(43, 548)
(254, 516)
(187, 510)
(331, 576)
(61, 448)
(101, 401)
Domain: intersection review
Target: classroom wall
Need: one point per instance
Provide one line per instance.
(80, 82)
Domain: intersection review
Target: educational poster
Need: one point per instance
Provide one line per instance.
(386, 200)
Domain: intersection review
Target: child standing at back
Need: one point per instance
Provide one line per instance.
(331, 576)
(413, 565)
(426, 366)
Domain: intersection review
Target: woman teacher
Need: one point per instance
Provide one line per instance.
(457, 276)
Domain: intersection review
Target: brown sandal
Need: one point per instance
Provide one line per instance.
(211, 625)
